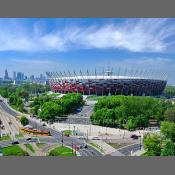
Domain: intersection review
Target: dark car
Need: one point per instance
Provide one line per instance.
(34, 140)
(43, 124)
(134, 136)
(28, 139)
(82, 146)
(15, 143)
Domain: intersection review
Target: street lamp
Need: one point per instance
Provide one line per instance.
(140, 143)
(74, 130)
(0, 128)
(72, 148)
(62, 138)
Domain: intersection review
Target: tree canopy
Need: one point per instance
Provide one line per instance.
(24, 121)
(128, 111)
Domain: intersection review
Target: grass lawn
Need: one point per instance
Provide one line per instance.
(96, 146)
(67, 132)
(41, 145)
(14, 151)
(3, 138)
(94, 97)
(118, 145)
(61, 151)
(29, 146)
(20, 135)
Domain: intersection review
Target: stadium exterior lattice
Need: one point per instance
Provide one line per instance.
(108, 82)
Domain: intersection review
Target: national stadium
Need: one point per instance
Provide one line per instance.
(108, 82)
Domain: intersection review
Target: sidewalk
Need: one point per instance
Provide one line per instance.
(107, 149)
(138, 153)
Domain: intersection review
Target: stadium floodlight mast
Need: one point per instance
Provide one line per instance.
(81, 74)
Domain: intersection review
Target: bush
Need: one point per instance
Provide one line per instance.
(24, 121)
(152, 145)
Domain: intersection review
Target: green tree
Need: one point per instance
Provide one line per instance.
(24, 121)
(49, 111)
(169, 149)
(168, 130)
(170, 114)
(152, 144)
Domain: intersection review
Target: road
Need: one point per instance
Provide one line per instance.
(9, 122)
(57, 135)
(126, 151)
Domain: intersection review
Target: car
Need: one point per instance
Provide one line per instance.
(82, 138)
(15, 143)
(28, 139)
(34, 140)
(95, 138)
(134, 136)
(43, 124)
(82, 146)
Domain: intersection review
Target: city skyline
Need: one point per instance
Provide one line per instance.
(20, 76)
(36, 46)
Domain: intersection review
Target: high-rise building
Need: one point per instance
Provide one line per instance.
(14, 75)
(32, 77)
(20, 76)
(6, 76)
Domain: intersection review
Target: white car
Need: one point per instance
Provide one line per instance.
(95, 138)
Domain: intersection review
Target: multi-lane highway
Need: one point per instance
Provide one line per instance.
(56, 135)
(9, 122)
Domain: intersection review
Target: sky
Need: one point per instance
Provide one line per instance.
(38, 45)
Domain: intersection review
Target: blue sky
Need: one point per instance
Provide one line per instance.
(37, 45)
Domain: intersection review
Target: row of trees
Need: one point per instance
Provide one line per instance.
(129, 111)
(17, 95)
(49, 108)
(162, 144)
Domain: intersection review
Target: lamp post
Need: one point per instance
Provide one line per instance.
(72, 148)
(106, 133)
(0, 128)
(62, 138)
(74, 130)
(140, 143)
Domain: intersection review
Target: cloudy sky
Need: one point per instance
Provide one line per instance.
(35, 46)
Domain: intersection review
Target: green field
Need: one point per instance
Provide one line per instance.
(3, 138)
(40, 145)
(20, 135)
(29, 146)
(67, 132)
(94, 97)
(96, 146)
(14, 151)
(118, 145)
(61, 151)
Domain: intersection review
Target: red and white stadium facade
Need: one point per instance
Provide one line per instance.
(108, 82)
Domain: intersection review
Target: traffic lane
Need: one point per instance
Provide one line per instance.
(7, 109)
(127, 150)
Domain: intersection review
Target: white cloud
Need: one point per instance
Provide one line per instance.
(135, 35)
(33, 62)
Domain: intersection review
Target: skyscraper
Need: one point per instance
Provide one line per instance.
(20, 76)
(6, 76)
(14, 75)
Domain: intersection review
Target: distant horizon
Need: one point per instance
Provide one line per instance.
(38, 45)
